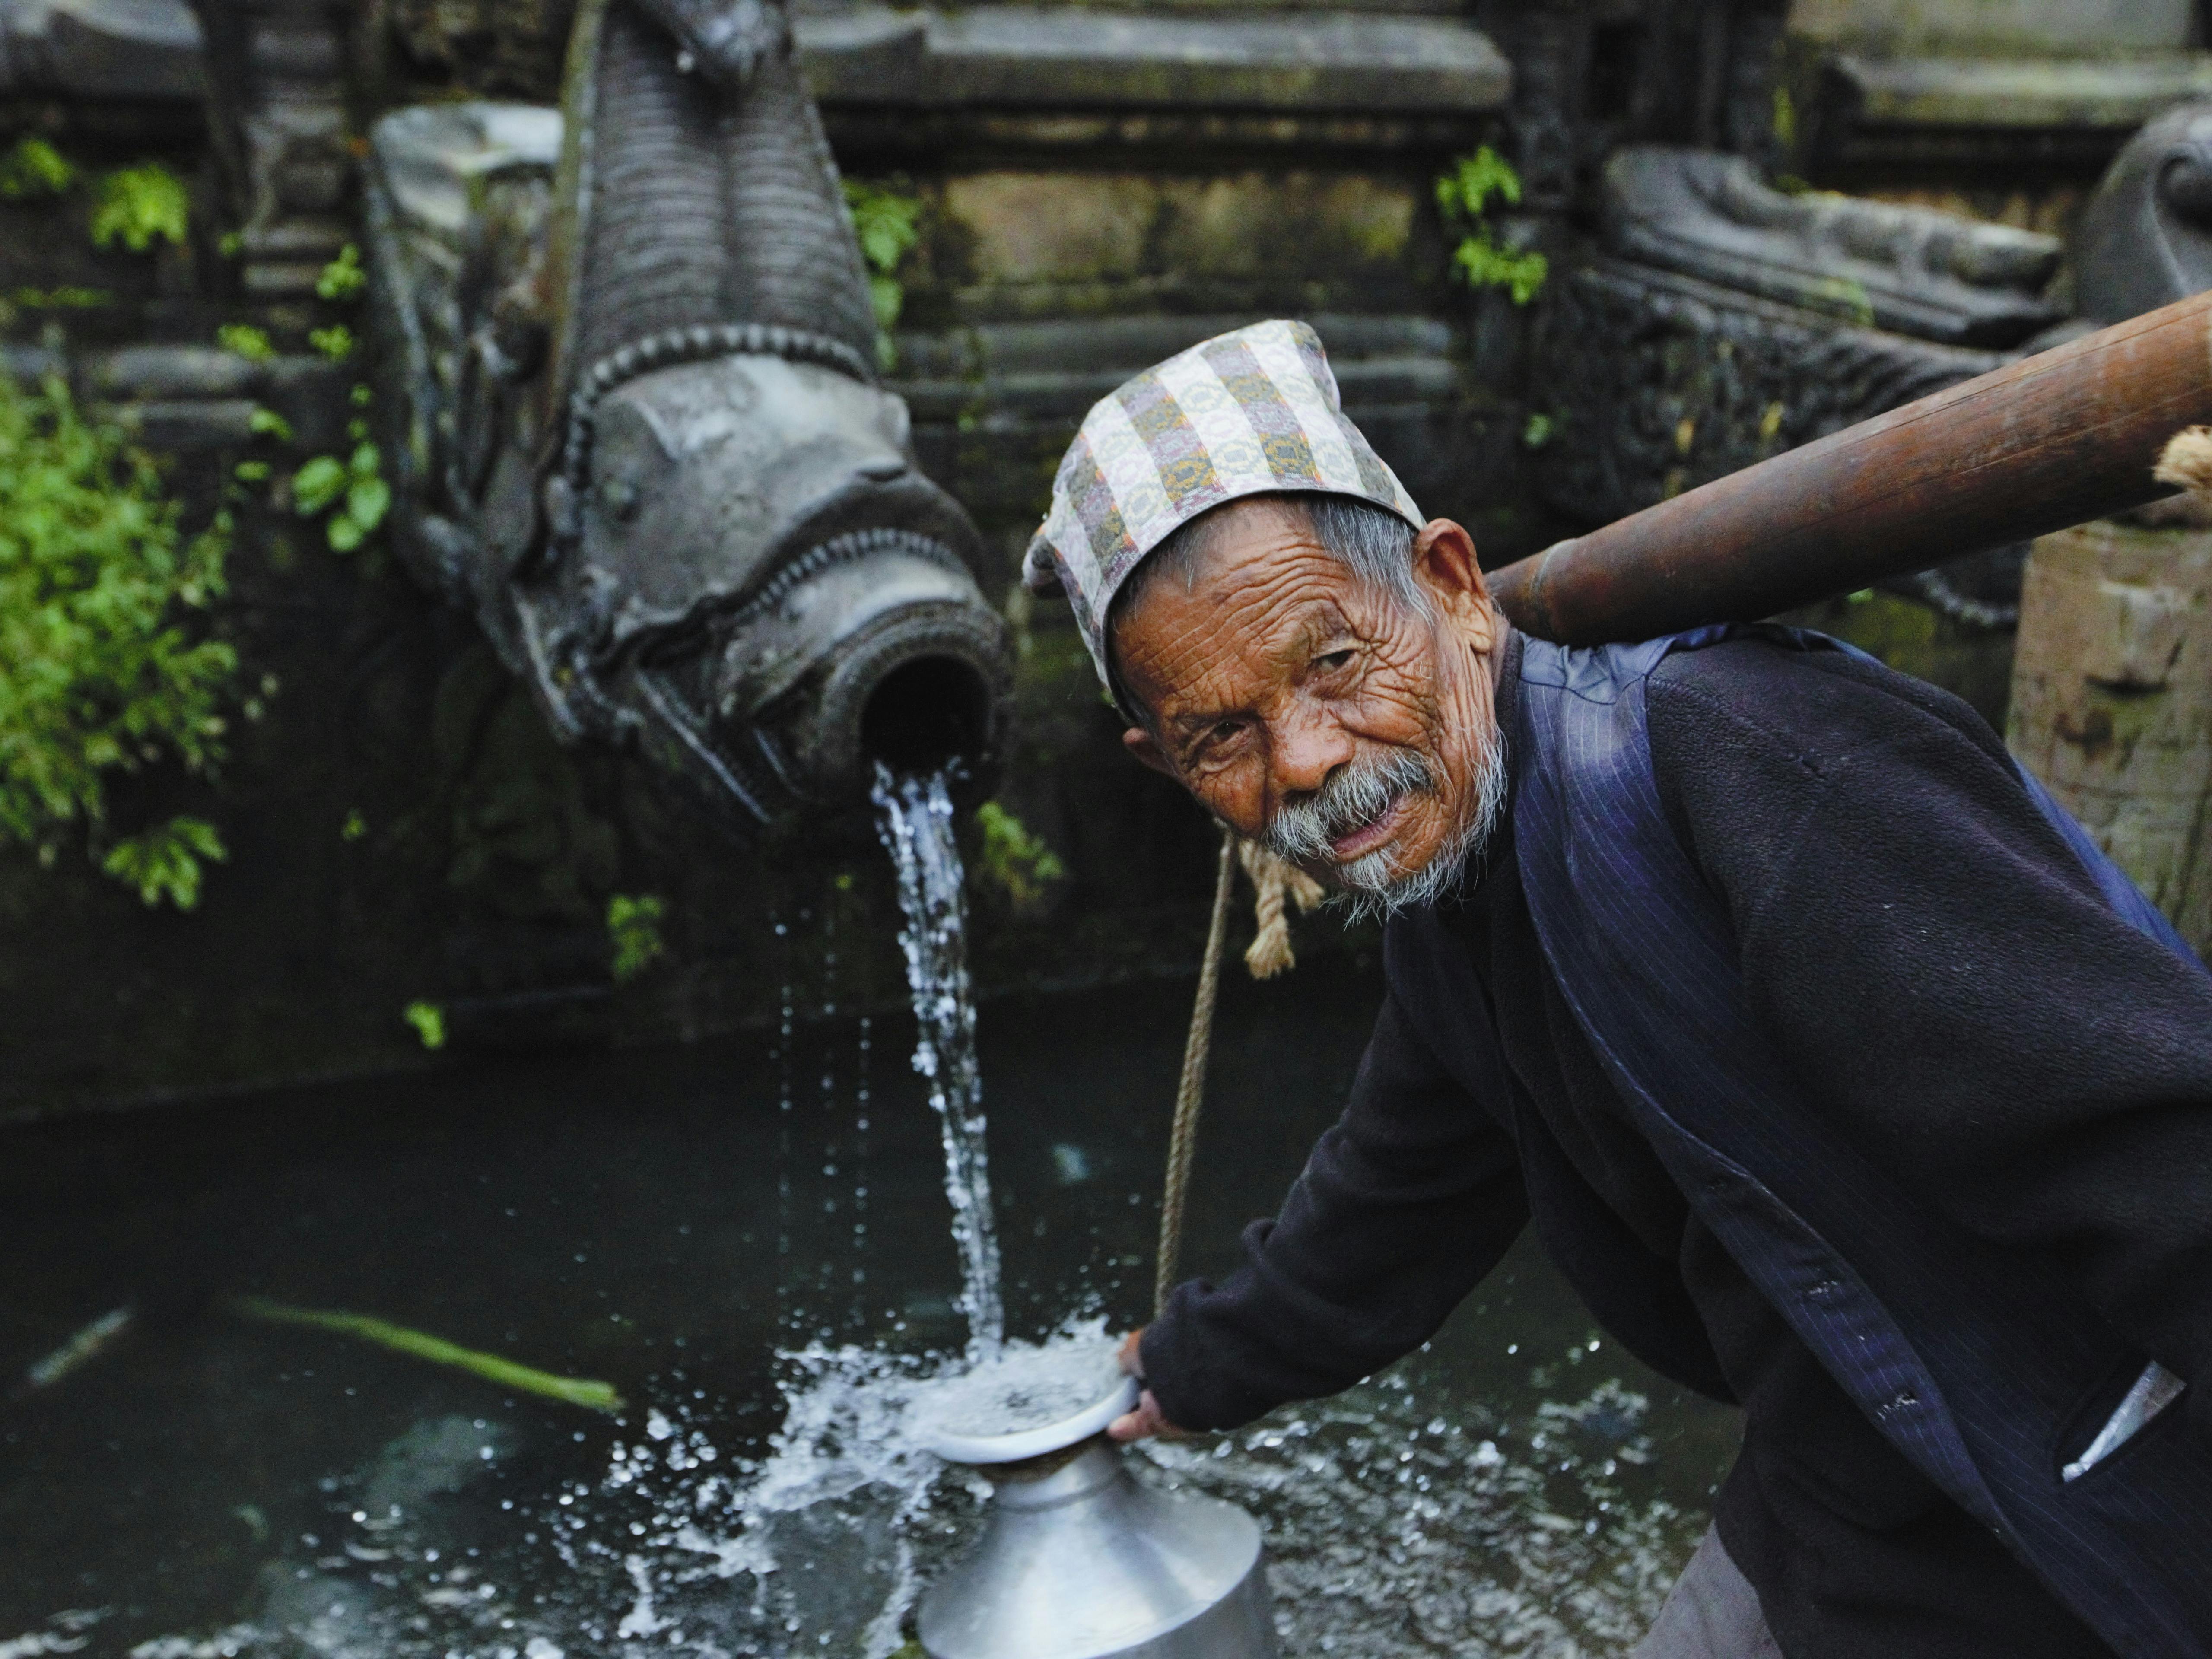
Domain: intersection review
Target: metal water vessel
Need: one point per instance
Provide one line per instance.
(1079, 1560)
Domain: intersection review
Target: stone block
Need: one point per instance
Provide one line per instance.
(168, 372)
(1080, 58)
(2115, 95)
(1035, 243)
(185, 423)
(2094, 27)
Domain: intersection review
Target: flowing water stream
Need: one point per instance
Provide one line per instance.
(917, 831)
(762, 1260)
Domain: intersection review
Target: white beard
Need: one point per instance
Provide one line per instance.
(1362, 790)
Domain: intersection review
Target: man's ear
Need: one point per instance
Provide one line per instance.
(1141, 744)
(1444, 563)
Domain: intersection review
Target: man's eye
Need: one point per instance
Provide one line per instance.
(1332, 660)
(1217, 737)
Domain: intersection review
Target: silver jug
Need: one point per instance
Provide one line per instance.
(1079, 1561)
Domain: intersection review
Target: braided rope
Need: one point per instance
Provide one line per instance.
(1182, 1140)
(1274, 882)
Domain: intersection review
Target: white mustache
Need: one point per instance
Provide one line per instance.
(1350, 798)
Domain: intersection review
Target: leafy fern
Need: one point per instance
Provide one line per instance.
(101, 670)
(886, 220)
(633, 933)
(31, 168)
(137, 204)
(1464, 195)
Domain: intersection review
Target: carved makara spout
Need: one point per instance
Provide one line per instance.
(643, 435)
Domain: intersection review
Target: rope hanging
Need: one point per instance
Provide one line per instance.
(1269, 953)
(1182, 1140)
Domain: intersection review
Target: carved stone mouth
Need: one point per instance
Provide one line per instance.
(874, 648)
(926, 713)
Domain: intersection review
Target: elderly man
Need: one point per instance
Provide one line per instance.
(1835, 1068)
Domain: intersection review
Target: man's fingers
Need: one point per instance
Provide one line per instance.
(1143, 1422)
(1132, 1364)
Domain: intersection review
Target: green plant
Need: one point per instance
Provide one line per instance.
(428, 1020)
(246, 341)
(1464, 195)
(64, 298)
(401, 1338)
(137, 204)
(634, 932)
(268, 423)
(1019, 862)
(102, 669)
(354, 487)
(163, 862)
(335, 343)
(886, 220)
(1539, 429)
(31, 168)
(343, 278)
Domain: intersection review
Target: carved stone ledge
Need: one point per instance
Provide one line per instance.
(123, 51)
(1364, 63)
(1913, 271)
(1056, 370)
(1970, 110)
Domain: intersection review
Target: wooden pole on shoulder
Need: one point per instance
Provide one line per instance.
(2051, 441)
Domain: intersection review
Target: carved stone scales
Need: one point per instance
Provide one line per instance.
(639, 428)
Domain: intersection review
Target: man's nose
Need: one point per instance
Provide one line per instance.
(1305, 750)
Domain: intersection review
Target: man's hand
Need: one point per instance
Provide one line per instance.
(1146, 1420)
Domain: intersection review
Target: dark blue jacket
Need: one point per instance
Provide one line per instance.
(1573, 1037)
(1990, 1373)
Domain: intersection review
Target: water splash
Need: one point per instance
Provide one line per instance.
(1026, 1386)
(916, 824)
(1401, 1522)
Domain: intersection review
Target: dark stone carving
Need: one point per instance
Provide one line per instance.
(1662, 381)
(639, 431)
(510, 47)
(2145, 239)
(123, 49)
(1914, 270)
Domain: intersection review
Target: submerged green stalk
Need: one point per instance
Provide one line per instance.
(575, 1390)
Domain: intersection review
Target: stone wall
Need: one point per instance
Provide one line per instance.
(402, 826)
(1098, 187)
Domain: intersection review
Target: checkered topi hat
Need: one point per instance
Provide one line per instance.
(1252, 410)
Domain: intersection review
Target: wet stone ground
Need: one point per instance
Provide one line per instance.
(680, 1224)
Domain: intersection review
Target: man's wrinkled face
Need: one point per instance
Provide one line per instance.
(1317, 716)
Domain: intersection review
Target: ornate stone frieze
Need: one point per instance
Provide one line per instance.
(1913, 271)
(1659, 381)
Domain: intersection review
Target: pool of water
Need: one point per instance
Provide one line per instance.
(688, 1224)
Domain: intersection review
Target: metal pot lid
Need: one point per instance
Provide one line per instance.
(953, 1435)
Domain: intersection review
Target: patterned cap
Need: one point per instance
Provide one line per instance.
(1252, 410)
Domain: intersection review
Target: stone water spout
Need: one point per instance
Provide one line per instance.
(639, 428)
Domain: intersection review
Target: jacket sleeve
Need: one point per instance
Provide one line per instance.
(1407, 1200)
(1941, 973)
